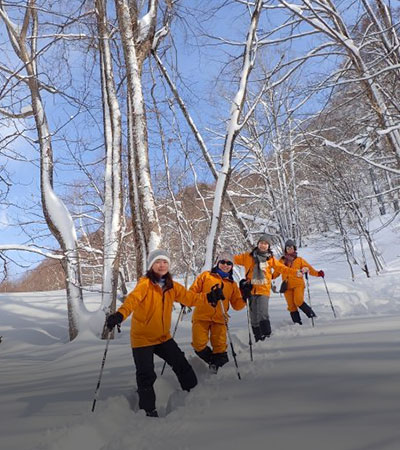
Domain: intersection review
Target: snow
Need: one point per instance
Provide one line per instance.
(331, 386)
(146, 21)
(26, 109)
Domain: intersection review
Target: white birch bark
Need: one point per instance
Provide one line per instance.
(138, 228)
(134, 56)
(234, 127)
(57, 216)
(112, 209)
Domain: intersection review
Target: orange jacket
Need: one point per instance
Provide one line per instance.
(246, 260)
(152, 310)
(204, 311)
(297, 264)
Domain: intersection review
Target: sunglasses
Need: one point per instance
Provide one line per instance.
(228, 263)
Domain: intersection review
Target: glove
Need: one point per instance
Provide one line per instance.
(215, 294)
(245, 288)
(114, 319)
(321, 273)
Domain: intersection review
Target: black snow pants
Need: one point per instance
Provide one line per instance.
(146, 376)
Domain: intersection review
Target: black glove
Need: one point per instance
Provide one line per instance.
(215, 294)
(114, 319)
(245, 288)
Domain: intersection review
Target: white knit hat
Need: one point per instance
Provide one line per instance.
(157, 254)
(225, 255)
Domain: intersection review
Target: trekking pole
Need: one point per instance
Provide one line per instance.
(309, 296)
(96, 393)
(330, 301)
(248, 326)
(230, 340)
(173, 334)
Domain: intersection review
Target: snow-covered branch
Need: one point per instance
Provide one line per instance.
(31, 249)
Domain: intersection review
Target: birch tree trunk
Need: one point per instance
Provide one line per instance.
(137, 37)
(134, 199)
(234, 127)
(113, 167)
(57, 216)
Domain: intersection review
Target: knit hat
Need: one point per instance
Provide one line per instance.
(290, 243)
(264, 237)
(225, 255)
(157, 254)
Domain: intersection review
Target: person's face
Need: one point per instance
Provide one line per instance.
(263, 246)
(225, 266)
(290, 250)
(160, 267)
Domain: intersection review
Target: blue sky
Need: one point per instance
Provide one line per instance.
(201, 62)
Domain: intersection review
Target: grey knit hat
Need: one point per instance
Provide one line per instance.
(226, 255)
(157, 254)
(290, 243)
(264, 237)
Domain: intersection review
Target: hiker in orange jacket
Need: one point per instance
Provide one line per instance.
(208, 323)
(294, 287)
(151, 303)
(258, 265)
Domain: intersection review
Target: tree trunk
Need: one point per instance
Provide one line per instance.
(113, 168)
(141, 190)
(233, 129)
(55, 212)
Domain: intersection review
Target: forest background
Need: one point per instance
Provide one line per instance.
(126, 125)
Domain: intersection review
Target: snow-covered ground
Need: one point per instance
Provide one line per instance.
(332, 386)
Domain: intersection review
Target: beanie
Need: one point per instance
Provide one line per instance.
(157, 254)
(264, 237)
(225, 255)
(290, 243)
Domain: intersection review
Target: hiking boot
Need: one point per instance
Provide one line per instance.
(295, 315)
(265, 327)
(153, 413)
(219, 359)
(257, 333)
(307, 310)
(205, 354)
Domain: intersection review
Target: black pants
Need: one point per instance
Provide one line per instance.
(146, 376)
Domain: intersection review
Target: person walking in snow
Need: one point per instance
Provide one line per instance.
(256, 287)
(151, 303)
(294, 293)
(208, 323)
